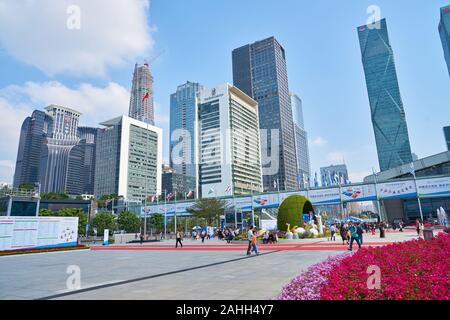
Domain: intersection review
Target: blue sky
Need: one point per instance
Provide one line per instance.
(193, 41)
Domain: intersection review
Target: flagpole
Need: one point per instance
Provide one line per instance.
(165, 214)
(417, 190)
(251, 202)
(175, 213)
(376, 193)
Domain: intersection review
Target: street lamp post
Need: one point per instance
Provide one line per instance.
(38, 198)
(165, 214)
(376, 193)
(413, 172)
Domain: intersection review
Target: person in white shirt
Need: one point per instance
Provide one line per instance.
(249, 238)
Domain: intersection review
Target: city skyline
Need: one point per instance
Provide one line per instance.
(327, 145)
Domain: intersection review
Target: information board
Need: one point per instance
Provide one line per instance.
(37, 232)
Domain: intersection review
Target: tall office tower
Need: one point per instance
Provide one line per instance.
(301, 142)
(60, 161)
(229, 157)
(259, 69)
(444, 31)
(183, 129)
(447, 137)
(34, 131)
(88, 137)
(388, 115)
(334, 175)
(141, 99)
(128, 159)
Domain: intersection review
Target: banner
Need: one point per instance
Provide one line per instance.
(391, 190)
(37, 232)
(358, 193)
(324, 196)
(266, 201)
(434, 187)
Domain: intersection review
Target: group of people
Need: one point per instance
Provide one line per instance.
(419, 227)
(270, 237)
(350, 232)
(227, 234)
(200, 234)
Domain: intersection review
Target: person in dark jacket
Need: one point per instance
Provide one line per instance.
(360, 232)
(343, 232)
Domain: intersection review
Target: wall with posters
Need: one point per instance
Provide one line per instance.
(431, 187)
(400, 189)
(365, 192)
(37, 232)
(434, 187)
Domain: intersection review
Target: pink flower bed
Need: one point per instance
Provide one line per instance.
(411, 270)
(308, 284)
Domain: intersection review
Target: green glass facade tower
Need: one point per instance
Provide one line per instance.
(388, 115)
(444, 32)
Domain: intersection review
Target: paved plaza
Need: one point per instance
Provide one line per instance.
(213, 270)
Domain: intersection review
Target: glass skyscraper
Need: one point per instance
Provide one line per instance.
(128, 159)
(447, 137)
(183, 129)
(141, 99)
(388, 115)
(301, 142)
(259, 70)
(33, 133)
(444, 31)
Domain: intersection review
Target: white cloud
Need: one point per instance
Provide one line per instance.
(319, 141)
(17, 102)
(96, 103)
(111, 33)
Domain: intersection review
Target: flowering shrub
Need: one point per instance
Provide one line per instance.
(411, 270)
(308, 284)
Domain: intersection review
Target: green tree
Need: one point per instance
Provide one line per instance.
(47, 213)
(129, 222)
(209, 209)
(156, 222)
(54, 196)
(26, 186)
(104, 220)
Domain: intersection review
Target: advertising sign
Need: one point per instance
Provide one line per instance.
(434, 187)
(243, 204)
(324, 196)
(266, 201)
(358, 193)
(401, 189)
(37, 232)
(106, 237)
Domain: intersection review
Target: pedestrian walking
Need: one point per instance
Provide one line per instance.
(249, 238)
(254, 242)
(421, 227)
(141, 238)
(179, 237)
(360, 232)
(353, 230)
(333, 233)
(203, 236)
(343, 232)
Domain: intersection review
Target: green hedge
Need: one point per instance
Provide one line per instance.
(291, 210)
